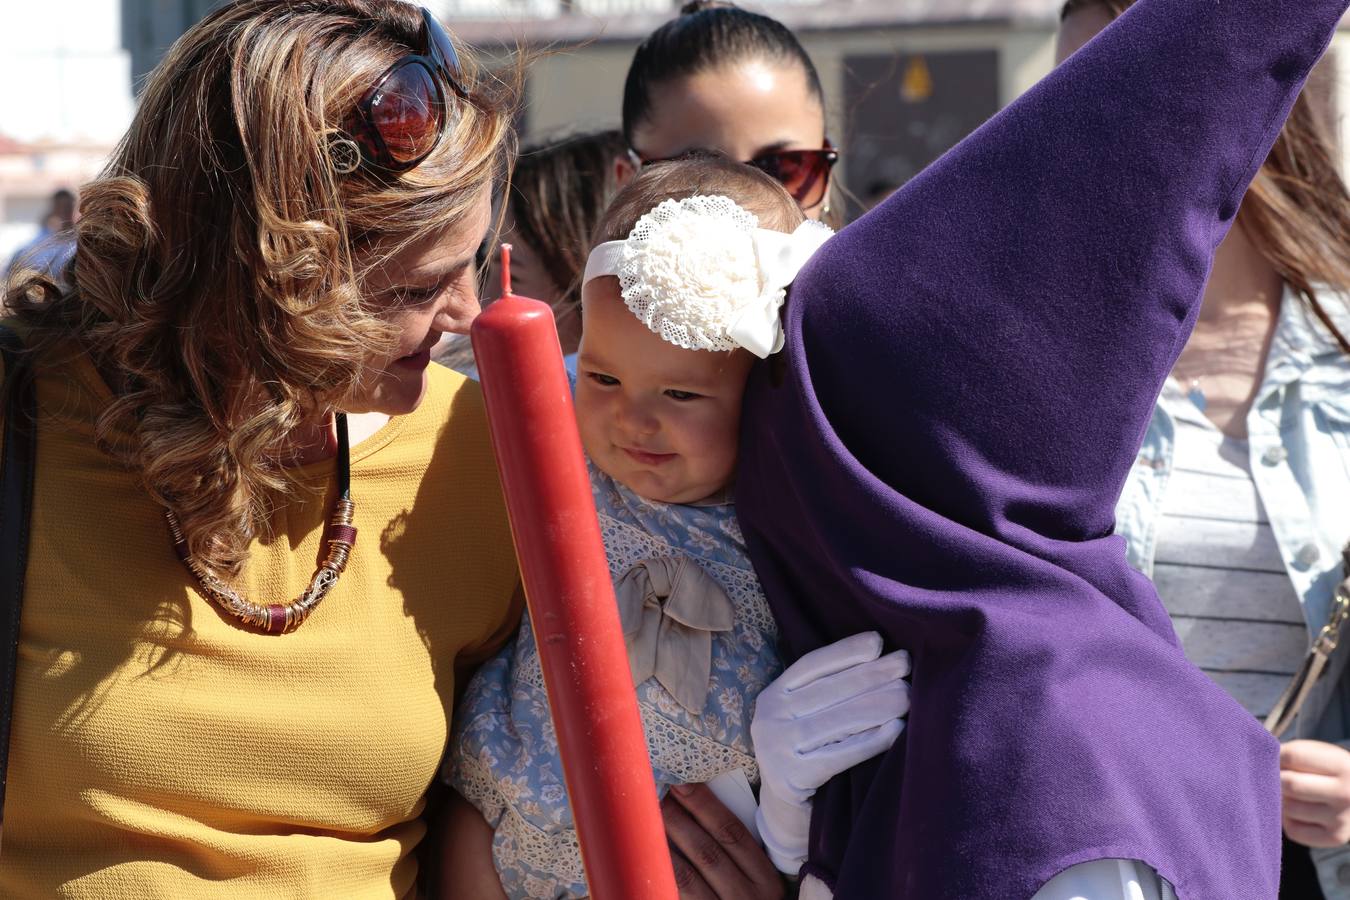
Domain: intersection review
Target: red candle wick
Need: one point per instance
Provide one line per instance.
(506, 270)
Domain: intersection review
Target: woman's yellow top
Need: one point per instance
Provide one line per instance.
(160, 750)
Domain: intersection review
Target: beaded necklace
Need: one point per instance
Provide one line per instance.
(277, 618)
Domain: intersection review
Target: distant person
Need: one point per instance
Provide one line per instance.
(54, 245)
(718, 77)
(559, 188)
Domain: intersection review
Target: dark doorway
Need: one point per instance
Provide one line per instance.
(907, 109)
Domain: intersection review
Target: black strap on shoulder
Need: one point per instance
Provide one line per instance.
(16, 509)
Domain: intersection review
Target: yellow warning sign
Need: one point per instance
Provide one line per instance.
(917, 85)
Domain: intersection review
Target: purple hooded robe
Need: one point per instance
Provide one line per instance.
(969, 372)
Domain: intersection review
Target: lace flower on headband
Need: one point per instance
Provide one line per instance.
(700, 273)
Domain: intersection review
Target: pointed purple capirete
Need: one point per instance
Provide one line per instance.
(969, 372)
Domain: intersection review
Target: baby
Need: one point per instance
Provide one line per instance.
(680, 296)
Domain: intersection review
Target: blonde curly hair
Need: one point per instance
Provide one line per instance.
(220, 259)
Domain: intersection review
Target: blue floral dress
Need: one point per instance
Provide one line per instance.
(504, 755)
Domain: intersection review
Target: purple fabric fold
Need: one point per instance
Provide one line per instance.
(969, 371)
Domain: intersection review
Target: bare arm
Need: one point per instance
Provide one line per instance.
(460, 839)
(715, 856)
(463, 861)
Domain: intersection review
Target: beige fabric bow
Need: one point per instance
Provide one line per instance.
(669, 608)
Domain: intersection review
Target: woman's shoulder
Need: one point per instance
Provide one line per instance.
(67, 388)
(10, 345)
(12, 341)
(1312, 331)
(1308, 349)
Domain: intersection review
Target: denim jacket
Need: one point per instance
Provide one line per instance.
(1299, 445)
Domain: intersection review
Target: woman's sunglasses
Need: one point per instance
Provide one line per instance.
(399, 121)
(804, 173)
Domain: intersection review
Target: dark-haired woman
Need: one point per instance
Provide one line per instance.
(559, 189)
(722, 78)
(1239, 502)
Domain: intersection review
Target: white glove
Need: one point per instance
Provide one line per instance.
(835, 707)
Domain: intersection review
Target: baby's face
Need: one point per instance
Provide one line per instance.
(659, 419)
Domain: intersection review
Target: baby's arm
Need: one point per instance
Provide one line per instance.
(504, 762)
(464, 858)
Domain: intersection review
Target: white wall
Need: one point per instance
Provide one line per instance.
(66, 78)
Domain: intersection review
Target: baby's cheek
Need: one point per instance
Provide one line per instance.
(587, 416)
(716, 439)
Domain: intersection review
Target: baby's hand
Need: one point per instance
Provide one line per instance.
(830, 710)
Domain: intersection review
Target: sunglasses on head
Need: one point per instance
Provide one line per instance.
(804, 173)
(400, 119)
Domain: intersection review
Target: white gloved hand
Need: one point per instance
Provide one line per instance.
(835, 707)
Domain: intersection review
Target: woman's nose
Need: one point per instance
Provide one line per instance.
(458, 306)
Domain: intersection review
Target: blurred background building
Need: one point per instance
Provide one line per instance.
(66, 101)
(905, 79)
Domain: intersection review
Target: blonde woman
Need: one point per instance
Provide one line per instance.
(267, 540)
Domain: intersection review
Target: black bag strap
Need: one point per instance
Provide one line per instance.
(16, 509)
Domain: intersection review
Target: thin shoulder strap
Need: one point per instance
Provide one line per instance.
(16, 509)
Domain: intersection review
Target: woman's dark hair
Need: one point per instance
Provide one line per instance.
(700, 173)
(707, 34)
(558, 191)
(1297, 211)
(1114, 7)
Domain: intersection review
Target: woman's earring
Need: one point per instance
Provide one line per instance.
(343, 153)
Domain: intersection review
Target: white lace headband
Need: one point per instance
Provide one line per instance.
(701, 274)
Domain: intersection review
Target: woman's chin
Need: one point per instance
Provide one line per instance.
(395, 394)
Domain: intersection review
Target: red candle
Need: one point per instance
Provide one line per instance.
(571, 599)
(506, 271)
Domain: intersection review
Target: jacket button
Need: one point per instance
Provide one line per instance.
(1306, 556)
(1343, 873)
(1274, 456)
